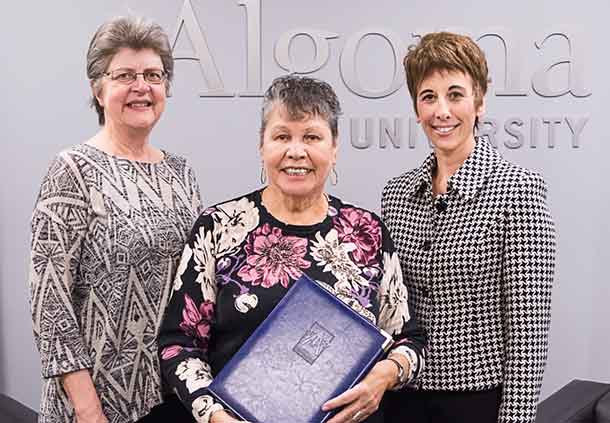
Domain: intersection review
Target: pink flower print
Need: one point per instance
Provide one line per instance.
(273, 257)
(360, 228)
(171, 352)
(196, 321)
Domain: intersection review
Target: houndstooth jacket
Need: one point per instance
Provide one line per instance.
(479, 264)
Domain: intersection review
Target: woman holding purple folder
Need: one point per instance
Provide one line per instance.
(244, 254)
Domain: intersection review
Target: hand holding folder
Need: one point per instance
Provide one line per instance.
(311, 348)
(359, 402)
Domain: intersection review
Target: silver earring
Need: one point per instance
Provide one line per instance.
(263, 176)
(334, 178)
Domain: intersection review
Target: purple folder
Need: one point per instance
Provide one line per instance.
(311, 348)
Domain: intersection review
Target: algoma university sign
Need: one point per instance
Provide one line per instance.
(520, 131)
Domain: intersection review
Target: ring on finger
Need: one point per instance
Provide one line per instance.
(356, 416)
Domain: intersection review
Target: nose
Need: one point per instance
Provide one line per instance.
(442, 109)
(140, 84)
(296, 149)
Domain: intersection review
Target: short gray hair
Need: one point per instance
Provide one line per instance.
(302, 97)
(136, 33)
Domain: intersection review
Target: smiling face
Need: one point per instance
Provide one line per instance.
(297, 154)
(447, 109)
(136, 106)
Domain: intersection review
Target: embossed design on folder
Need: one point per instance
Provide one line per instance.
(313, 343)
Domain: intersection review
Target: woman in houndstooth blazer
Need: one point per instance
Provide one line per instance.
(477, 248)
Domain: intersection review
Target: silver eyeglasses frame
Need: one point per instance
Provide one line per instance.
(128, 76)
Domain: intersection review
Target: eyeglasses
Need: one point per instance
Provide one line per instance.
(128, 76)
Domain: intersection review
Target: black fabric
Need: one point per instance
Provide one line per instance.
(602, 409)
(15, 412)
(442, 406)
(376, 417)
(574, 403)
(171, 410)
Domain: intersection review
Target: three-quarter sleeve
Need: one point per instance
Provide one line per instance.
(528, 270)
(185, 331)
(395, 316)
(195, 193)
(59, 224)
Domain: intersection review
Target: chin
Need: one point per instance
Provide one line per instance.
(444, 144)
(142, 126)
(297, 190)
(141, 122)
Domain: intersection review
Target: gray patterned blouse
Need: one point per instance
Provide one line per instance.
(107, 234)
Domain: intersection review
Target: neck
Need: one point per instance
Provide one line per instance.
(293, 210)
(126, 144)
(447, 163)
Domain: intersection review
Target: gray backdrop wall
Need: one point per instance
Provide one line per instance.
(546, 110)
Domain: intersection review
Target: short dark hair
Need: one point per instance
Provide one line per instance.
(302, 96)
(125, 32)
(446, 51)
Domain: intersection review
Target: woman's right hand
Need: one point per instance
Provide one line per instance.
(83, 396)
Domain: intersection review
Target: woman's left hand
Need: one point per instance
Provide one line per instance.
(363, 399)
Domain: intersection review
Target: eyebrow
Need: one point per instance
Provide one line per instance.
(452, 87)
(128, 68)
(314, 128)
(308, 128)
(279, 128)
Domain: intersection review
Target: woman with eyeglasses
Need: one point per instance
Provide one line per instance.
(108, 229)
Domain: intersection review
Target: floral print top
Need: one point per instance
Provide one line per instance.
(240, 261)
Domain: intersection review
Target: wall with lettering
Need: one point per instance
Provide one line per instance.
(545, 111)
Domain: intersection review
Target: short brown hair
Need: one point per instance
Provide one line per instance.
(446, 51)
(125, 32)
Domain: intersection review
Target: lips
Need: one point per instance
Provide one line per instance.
(445, 129)
(139, 104)
(296, 171)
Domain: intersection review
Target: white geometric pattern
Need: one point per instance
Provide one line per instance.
(107, 234)
(479, 267)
